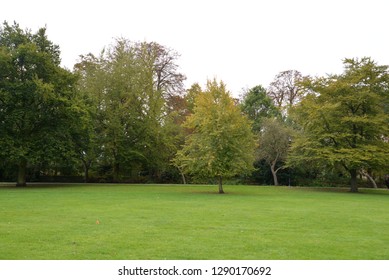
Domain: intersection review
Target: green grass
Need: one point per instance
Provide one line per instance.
(192, 222)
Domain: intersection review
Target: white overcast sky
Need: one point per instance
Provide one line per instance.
(242, 42)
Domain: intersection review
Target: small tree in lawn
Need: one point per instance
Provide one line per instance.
(221, 144)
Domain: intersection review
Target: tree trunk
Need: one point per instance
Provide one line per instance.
(22, 168)
(86, 170)
(367, 175)
(221, 185)
(353, 181)
(183, 177)
(274, 173)
(115, 174)
(86, 176)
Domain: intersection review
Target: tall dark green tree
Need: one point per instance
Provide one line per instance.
(36, 99)
(258, 106)
(344, 121)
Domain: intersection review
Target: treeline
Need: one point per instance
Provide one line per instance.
(123, 115)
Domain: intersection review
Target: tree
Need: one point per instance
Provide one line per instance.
(165, 84)
(130, 86)
(191, 95)
(221, 144)
(87, 134)
(285, 90)
(162, 60)
(344, 122)
(274, 142)
(36, 99)
(258, 106)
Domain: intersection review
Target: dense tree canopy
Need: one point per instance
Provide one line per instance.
(258, 106)
(344, 121)
(221, 144)
(36, 99)
(132, 87)
(124, 115)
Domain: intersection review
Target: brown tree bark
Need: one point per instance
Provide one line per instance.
(22, 171)
(274, 171)
(116, 168)
(353, 181)
(370, 178)
(87, 165)
(221, 191)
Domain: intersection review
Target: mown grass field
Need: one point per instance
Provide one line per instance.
(192, 222)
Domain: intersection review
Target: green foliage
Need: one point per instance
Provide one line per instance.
(274, 142)
(36, 98)
(131, 88)
(119, 115)
(222, 144)
(191, 96)
(258, 106)
(344, 122)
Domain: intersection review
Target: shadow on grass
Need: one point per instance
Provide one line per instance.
(195, 189)
(345, 190)
(34, 185)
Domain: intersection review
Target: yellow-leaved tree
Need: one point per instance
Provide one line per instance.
(221, 143)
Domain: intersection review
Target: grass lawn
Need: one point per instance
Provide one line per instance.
(192, 222)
